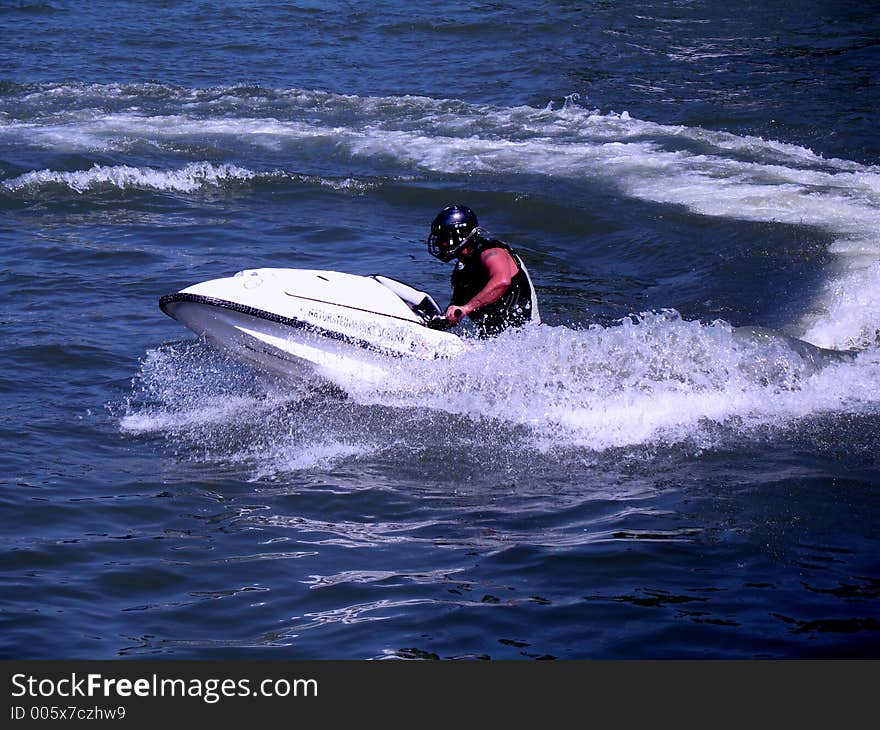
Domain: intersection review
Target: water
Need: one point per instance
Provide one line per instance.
(682, 462)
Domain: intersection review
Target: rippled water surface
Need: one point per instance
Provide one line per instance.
(682, 461)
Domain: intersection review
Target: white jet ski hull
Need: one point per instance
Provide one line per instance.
(343, 326)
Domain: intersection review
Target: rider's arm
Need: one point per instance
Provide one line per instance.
(502, 268)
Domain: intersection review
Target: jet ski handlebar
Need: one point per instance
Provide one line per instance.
(439, 321)
(418, 301)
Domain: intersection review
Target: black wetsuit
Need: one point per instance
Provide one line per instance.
(513, 309)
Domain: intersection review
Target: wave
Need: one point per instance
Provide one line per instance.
(194, 177)
(651, 380)
(709, 173)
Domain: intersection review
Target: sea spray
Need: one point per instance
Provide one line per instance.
(652, 379)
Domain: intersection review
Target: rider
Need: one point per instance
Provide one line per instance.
(490, 283)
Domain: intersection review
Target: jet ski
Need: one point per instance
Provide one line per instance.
(342, 325)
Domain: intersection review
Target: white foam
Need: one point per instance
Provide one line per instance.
(657, 379)
(295, 456)
(845, 315)
(217, 409)
(653, 380)
(710, 173)
(191, 178)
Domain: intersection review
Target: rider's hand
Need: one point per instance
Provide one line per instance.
(454, 314)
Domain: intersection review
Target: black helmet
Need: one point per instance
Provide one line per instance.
(450, 231)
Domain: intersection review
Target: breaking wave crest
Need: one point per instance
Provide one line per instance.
(192, 178)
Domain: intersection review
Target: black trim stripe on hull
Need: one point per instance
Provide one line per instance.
(277, 319)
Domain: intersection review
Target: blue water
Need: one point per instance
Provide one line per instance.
(678, 463)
